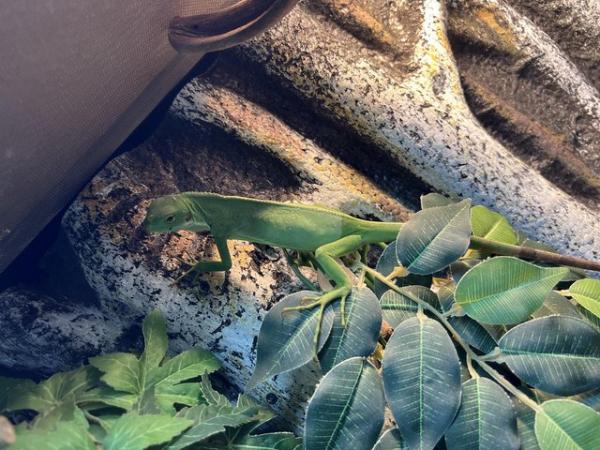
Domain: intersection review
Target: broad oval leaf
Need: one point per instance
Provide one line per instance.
(359, 335)
(133, 432)
(391, 440)
(386, 264)
(434, 237)
(557, 354)
(587, 293)
(505, 290)
(554, 304)
(244, 441)
(567, 425)
(525, 426)
(346, 410)
(490, 225)
(421, 375)
(398, 306)
(485, 418)
(286, 339)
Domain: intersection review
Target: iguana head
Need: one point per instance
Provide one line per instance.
(173, 213)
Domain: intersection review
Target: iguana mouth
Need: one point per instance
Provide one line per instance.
(228, 26)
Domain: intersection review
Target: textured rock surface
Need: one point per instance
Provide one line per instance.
(346, 103)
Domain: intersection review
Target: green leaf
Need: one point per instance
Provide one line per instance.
(16, 394)
(587, 293)
(434, 199)
(210, 395)
(505, 290)
(398, 306)
(554, 304)
(188, 394)
(185, 366)
(209, 420)
(525, 426)
(434, 237)
(104, 395)
(557, 354)
(485, 418)
(491, 225)
(268, 441)
(65, 436)
(567, 425)
(121, 371)
(391, 440)
(361, 331)
(346, 410)
(286, 339)
(155, 340)
(133, 432)
(386, 264)
(421, 375)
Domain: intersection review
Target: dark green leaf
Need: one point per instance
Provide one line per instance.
(505, 290)
(421, 374)
(567, 425)
(386, 264)
(434, 237)
(398, 306)
(133, 432)
(557, 354)
(346, 410)
(155, 340)
(286, 339)
(525, 426)
(554, 303)
(361, 331)
(484, 420)
(391, 440)
(104, 395)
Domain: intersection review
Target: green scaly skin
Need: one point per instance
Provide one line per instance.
(328, 233)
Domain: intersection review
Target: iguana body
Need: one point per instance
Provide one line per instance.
(326, 232)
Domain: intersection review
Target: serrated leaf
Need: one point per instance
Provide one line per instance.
(209, 420)
(433, 200)
(121, 371)
(210, 395)
(505, 290)
(554, 304)
(491, 225)
(346, 410)
(188, 394)
(587, 293)
(398, 306)
(386, 263)
(434, 237)
(421, 375)
(65, 436)
(391, 440)
(359, 335)
(525, 426)
(104, 395)
(16, 394)
(155, 340)
(286, 339)
(485, 418)
(133, 432)
(268, 441)
(185, 366)
(557, 354)
(567, 425)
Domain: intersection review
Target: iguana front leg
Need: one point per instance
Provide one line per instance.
(223, 264)
(325, 256)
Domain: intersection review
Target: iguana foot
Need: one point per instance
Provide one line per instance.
(321, 302)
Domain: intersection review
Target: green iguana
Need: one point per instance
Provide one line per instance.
(327, 232)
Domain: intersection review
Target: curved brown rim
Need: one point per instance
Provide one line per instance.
(226, 27)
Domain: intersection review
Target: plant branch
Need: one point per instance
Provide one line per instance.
(470, 354)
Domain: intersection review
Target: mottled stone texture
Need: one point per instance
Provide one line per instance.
(360, 105)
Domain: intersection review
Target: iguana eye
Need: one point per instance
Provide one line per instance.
(170, 219)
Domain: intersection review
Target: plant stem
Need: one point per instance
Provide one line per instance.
(499, 248)
(470, 354)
